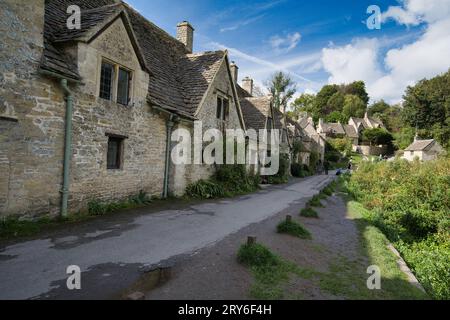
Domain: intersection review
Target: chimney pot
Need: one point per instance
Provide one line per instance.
(234, 71)
(247, 85)
(185, 34)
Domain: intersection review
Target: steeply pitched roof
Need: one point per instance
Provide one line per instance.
(350, 131)
(335, 128)
(421, 145)
(178, 80)
(256, 111)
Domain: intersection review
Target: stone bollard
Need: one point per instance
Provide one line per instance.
(289, 219)
(251, 240)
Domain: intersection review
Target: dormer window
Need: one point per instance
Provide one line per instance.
(223, 108)
(115, 83)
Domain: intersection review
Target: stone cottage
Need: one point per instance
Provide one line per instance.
(88, 113)
(423, 150)
(353, 131)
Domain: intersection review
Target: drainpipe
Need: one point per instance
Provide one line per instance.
(67, 147)
(169, 126)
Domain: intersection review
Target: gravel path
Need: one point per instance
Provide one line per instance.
(213, 273)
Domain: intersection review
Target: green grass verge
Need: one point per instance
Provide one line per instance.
(270, 272)
(294, 229)
(309, 213)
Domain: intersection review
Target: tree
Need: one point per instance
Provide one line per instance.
(427, 107)
(357, 88)
(334, 117)
(378, 108)
(282, 88)
(304, 103)
(353, 107)
(335, 103)
(377, 136)
(322, 98)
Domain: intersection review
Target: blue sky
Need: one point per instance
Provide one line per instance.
(318, 42)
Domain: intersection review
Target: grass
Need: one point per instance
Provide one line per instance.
(294, 229)
(309, 213)
(13, 228)
(270, 272)
(315, 202)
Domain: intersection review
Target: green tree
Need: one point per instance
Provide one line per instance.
(377, 136)
(334, 117)
(353, 107)
(335, 103)
(282, 88)
(304, 103)
(427, 106)
(404, 137)
(378, 108)
(357, 88)
(322, 98)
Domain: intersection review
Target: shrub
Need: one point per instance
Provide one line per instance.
(315, 202)
(309, 213)
(205, 190)
(296, 170)
(294, 229)
(256, 255)
(410, 202)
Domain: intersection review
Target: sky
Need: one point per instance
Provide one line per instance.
(319, 42)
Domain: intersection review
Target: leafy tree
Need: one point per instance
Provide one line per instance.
(282, 88)
(353, 107)
(427, 106)
(377, 136)
(378, 108)
(404, 137)
(334, 117)
(304, 103)
(357, 88)
(335, 103)
(322, 98)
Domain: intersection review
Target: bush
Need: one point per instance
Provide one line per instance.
(296, 170)
(294, 229)
(315, 202)
(309, 213)
(229, 180)
(410, 202)
(256, 255)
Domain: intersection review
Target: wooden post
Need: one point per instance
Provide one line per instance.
(289, 218)
(251, 240)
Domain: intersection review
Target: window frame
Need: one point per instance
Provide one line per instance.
(120, 151)
(115, 81)
(223, 107)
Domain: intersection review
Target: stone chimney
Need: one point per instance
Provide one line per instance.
(185, 34)
(234, 71)
(247, 85)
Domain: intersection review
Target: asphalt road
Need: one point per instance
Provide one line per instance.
(113, 252)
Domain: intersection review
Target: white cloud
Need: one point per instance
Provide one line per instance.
(285, 44)
(426, 57)
(242, 23)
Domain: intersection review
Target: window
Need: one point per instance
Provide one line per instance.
(123, 87)
(106, 81)
(269, 123)
(115, 83)
(115, 152)
(223, 109)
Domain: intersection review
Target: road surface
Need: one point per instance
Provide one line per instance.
(113, 251)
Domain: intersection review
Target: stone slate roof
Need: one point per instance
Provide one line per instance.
(350, 131)
(421, 145)
(255, 111)
(178, 80)
(335, 128)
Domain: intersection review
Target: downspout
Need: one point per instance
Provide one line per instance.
(67, 147)
(169, 126)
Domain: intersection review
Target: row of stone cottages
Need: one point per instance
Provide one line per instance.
(88, 114)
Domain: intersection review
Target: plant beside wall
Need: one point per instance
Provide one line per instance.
(228, 181)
